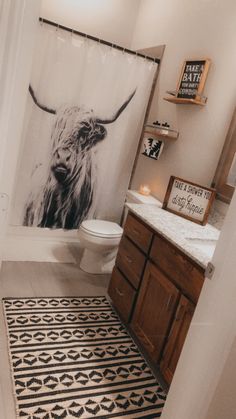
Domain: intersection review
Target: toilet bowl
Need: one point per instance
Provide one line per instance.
(100, 240)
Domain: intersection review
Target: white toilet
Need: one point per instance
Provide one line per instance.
(100, 240)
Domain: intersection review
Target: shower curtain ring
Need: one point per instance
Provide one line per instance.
(57, 27)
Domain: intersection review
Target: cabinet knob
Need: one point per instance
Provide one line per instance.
(128, 259)
(119, 292)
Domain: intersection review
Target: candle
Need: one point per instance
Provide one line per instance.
(144, 190)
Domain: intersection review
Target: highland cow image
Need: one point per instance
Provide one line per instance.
(67, 196)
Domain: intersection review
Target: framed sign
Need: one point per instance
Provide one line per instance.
(192, 79)
(152, 147)
(188, 199)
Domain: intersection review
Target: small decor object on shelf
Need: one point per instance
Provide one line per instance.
(188, 199)
(144, 190)
(152, 147)
(191, 83)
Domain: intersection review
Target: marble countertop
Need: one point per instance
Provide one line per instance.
(196, 241)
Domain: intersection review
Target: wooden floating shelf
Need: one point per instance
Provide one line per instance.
(184, 101)
(161, 132)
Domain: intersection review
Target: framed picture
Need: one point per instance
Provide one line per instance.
(188, 200)
(192, 79)
(152, 147)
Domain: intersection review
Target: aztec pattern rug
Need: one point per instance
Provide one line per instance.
(73, 358)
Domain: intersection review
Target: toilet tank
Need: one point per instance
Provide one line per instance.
(134, 197)
(137, 198)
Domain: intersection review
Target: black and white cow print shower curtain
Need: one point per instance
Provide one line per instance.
(85, 109)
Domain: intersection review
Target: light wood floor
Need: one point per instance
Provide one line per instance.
(34, 279)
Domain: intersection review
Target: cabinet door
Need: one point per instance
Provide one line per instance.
(154, 310)
(176, 338)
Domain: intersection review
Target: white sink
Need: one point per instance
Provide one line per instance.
(204, 245)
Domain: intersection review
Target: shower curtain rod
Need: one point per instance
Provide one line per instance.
(101, 41)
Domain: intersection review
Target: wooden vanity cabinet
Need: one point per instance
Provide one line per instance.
(155, 287)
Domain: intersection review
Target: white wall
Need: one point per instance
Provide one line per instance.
(204, 28)
(223, 402)
(112, 20)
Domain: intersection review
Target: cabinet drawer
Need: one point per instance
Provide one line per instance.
(122, 294)
(179, 268)
(130, 261)
(138, 233)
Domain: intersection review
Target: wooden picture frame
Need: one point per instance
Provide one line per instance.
(193, 78)
(191, 83)
(221, 182)
(152, 146)
(188, 200)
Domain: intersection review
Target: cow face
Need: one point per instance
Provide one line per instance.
(75, 132)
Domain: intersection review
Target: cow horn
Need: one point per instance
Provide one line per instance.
(122, 108)
(44, 108)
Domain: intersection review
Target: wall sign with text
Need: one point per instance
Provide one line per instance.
(188, 199)
(152, 147)
(193, 78)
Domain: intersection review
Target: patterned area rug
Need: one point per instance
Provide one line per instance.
(73, 358)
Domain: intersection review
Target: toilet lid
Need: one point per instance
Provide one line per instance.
(102, 228)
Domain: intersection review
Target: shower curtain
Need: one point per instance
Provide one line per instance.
(83, 119)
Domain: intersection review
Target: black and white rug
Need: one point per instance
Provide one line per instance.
(73, 358)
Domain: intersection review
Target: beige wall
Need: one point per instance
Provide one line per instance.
(223, 403)
(189, 30)
(112, 20)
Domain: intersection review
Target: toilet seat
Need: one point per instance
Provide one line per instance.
(100, 228)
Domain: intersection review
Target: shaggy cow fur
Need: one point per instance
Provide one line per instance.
(66, 197)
